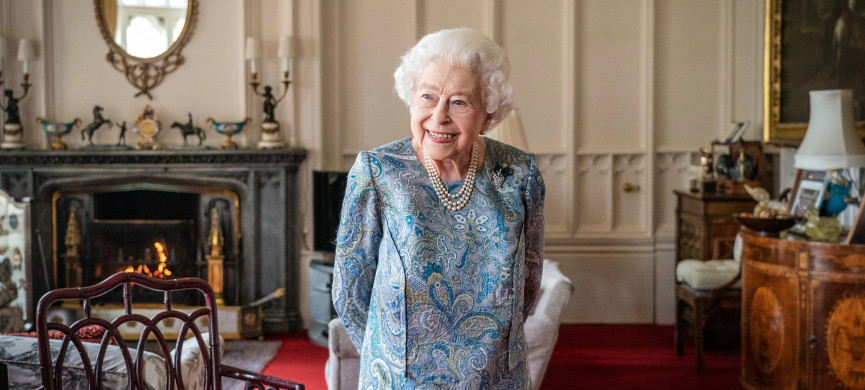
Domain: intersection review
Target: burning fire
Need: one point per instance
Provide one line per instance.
(161, 270)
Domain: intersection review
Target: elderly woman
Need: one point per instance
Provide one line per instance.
(439, 248)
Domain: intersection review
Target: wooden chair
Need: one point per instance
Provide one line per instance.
(136, 365)
(696, 303)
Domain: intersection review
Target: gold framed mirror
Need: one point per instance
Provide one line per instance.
(145, 37)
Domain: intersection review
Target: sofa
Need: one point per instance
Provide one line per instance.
(542, 330)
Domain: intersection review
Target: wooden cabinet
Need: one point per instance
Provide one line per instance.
(705, 227)
(803, 314)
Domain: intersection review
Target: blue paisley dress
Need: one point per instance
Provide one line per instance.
(434, 298)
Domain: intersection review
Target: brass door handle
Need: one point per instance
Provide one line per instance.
(628, 187)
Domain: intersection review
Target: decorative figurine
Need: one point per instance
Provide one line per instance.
(188, 129)
(824, 229)
(723, 165)
(744, 168)
(121, 140)
(839, 189)
(706, 159)
(147, 127)
(56, 131)
(228, 129)
(766, 206)
(13, 133)
(215, 276)
(98, 121)
(270, 137)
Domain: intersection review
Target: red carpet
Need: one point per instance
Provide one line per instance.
(633, 357)
(299, 360)
(607, 357)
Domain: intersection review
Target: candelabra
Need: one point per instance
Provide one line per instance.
(13, 132)
(270, 129)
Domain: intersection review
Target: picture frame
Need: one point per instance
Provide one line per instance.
(809, 189)
(856, 234)
(799, 56)
(16, 290)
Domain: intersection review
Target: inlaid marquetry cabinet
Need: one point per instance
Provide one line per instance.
(705, 227)
(803, 314)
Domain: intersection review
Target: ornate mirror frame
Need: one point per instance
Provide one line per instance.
(146, 73)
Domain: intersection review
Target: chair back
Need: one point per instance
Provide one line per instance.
(92, 359)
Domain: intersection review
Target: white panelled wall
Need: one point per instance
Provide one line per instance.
(612, 93)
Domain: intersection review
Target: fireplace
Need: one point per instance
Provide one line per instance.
(165, 233)
(228, 217)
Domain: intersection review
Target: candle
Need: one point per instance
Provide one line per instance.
(285, 50)
(25, 53)
(251, 52)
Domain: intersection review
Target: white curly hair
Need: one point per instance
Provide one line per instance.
(467, 47)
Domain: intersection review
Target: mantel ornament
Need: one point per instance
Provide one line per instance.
(13, 132)
(270, 132)
(56, 131)
(228, 129)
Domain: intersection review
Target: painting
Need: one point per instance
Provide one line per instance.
(810, 45)
(15, 289)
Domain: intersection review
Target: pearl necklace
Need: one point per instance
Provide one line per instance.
(465, 193)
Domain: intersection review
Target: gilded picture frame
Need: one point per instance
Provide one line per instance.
(809, 45)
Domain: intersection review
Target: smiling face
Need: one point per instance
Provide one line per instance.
(448, 114)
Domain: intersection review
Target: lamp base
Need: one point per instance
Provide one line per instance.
(270, 137)
(13, 137)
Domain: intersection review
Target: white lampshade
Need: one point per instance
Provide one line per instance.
(286, 47)
(252, 48)
(25, 50)
(510, 131)
(831, 141)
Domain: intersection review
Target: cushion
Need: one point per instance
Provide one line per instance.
(89, 334)
(21, 356)
(192, 368)
(707, 274)
(542, 326)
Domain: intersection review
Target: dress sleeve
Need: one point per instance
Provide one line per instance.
(534, 234)
(357, 244)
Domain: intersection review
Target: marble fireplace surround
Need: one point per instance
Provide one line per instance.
(262, 184)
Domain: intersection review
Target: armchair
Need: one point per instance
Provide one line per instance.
(70, 363)
(542, 331)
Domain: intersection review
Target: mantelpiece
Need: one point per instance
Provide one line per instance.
(257, 187)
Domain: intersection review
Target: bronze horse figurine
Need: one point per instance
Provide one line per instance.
(98, 121)
(188, 129)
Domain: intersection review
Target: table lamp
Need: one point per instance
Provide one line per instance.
(510, 131)
(831, 143)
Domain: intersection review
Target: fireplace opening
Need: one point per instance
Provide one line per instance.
(167, 234)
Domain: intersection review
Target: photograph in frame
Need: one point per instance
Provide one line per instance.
(809, 191)
(856, 235)
(810, 45)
